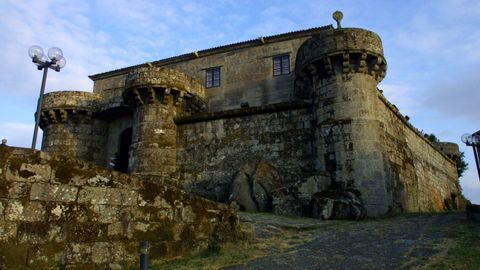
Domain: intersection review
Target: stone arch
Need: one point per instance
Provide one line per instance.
(124, 142)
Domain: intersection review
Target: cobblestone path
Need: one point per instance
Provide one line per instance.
(406, 242)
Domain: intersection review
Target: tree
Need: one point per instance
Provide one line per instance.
(462, 165)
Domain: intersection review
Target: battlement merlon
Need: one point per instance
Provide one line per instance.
(58, 106)
(340, 51)
(164, 85)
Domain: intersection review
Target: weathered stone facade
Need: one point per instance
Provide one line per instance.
(319, 116)
(61, 213)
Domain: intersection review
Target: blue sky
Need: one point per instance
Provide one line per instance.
(432, 49)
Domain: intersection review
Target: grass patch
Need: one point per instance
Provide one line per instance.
(464, 252)
(283, 240)
(227, 254)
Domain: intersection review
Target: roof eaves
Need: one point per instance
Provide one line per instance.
(214, 50)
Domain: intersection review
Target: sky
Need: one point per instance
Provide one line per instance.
(431, 46)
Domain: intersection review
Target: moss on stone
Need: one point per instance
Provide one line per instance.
(150, 191)
(86, 232)
(13, 256)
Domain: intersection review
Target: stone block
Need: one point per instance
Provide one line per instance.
(8, 230)
(53, 193)
(79, 252)
(3, 203)
(86, 232)
(31, 173)
(17, 210)
(99, 181)
(40, 233)
(46, 256)
(105, 213)
(17, 190)
(14, 255)
(112, 196)
(100, 252)
(119, 230)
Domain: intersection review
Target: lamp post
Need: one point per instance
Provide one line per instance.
(55, 61)
(473, 140)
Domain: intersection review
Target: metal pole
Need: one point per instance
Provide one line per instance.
(39, 107)
(144, 251)
(475, 153)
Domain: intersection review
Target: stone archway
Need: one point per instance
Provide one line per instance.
(124, 142)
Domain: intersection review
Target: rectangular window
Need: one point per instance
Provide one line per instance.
(212, 77)
(281, 65)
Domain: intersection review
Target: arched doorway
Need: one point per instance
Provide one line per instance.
(124, 142)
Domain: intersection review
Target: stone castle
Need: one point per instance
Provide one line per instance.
(273, 124)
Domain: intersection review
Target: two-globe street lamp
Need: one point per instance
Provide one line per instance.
(55, 61)
(473, 140)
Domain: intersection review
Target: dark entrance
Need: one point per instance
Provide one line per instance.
(124, 143)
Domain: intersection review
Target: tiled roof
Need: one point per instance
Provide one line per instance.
(219, 49)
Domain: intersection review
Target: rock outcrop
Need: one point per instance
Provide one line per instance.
(337, 204)
(260, 188)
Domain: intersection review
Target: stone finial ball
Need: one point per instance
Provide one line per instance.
(337, 16)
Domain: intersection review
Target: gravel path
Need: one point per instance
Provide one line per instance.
(406, 242)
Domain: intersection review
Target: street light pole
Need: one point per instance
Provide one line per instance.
(473, 140)
(39, 107)
(56, 62)
(475, 153)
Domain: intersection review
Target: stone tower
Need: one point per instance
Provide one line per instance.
(338, 71)
(69, 126)
(157, 96)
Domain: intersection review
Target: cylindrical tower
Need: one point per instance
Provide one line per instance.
(339, 70)
(157, 95)
(68, 126)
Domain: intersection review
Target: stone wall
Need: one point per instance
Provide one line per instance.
(56, 211)
(246, 75)
(212, 148)
(421, 178)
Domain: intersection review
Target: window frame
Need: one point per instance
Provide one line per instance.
(284, 62)
(214, 81)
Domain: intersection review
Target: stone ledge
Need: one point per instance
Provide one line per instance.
(271, 108)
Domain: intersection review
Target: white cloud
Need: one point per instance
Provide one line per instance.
(401, 96)
(447, 30)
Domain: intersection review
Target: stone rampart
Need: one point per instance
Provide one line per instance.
(421, 178)
(59, 212)
(211, 148)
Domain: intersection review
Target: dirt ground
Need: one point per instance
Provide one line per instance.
(404, 242)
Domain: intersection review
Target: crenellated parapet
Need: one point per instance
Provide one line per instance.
(450, 149)
(64, 106)
(164, 86)
(68, 123)
(338, 52)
